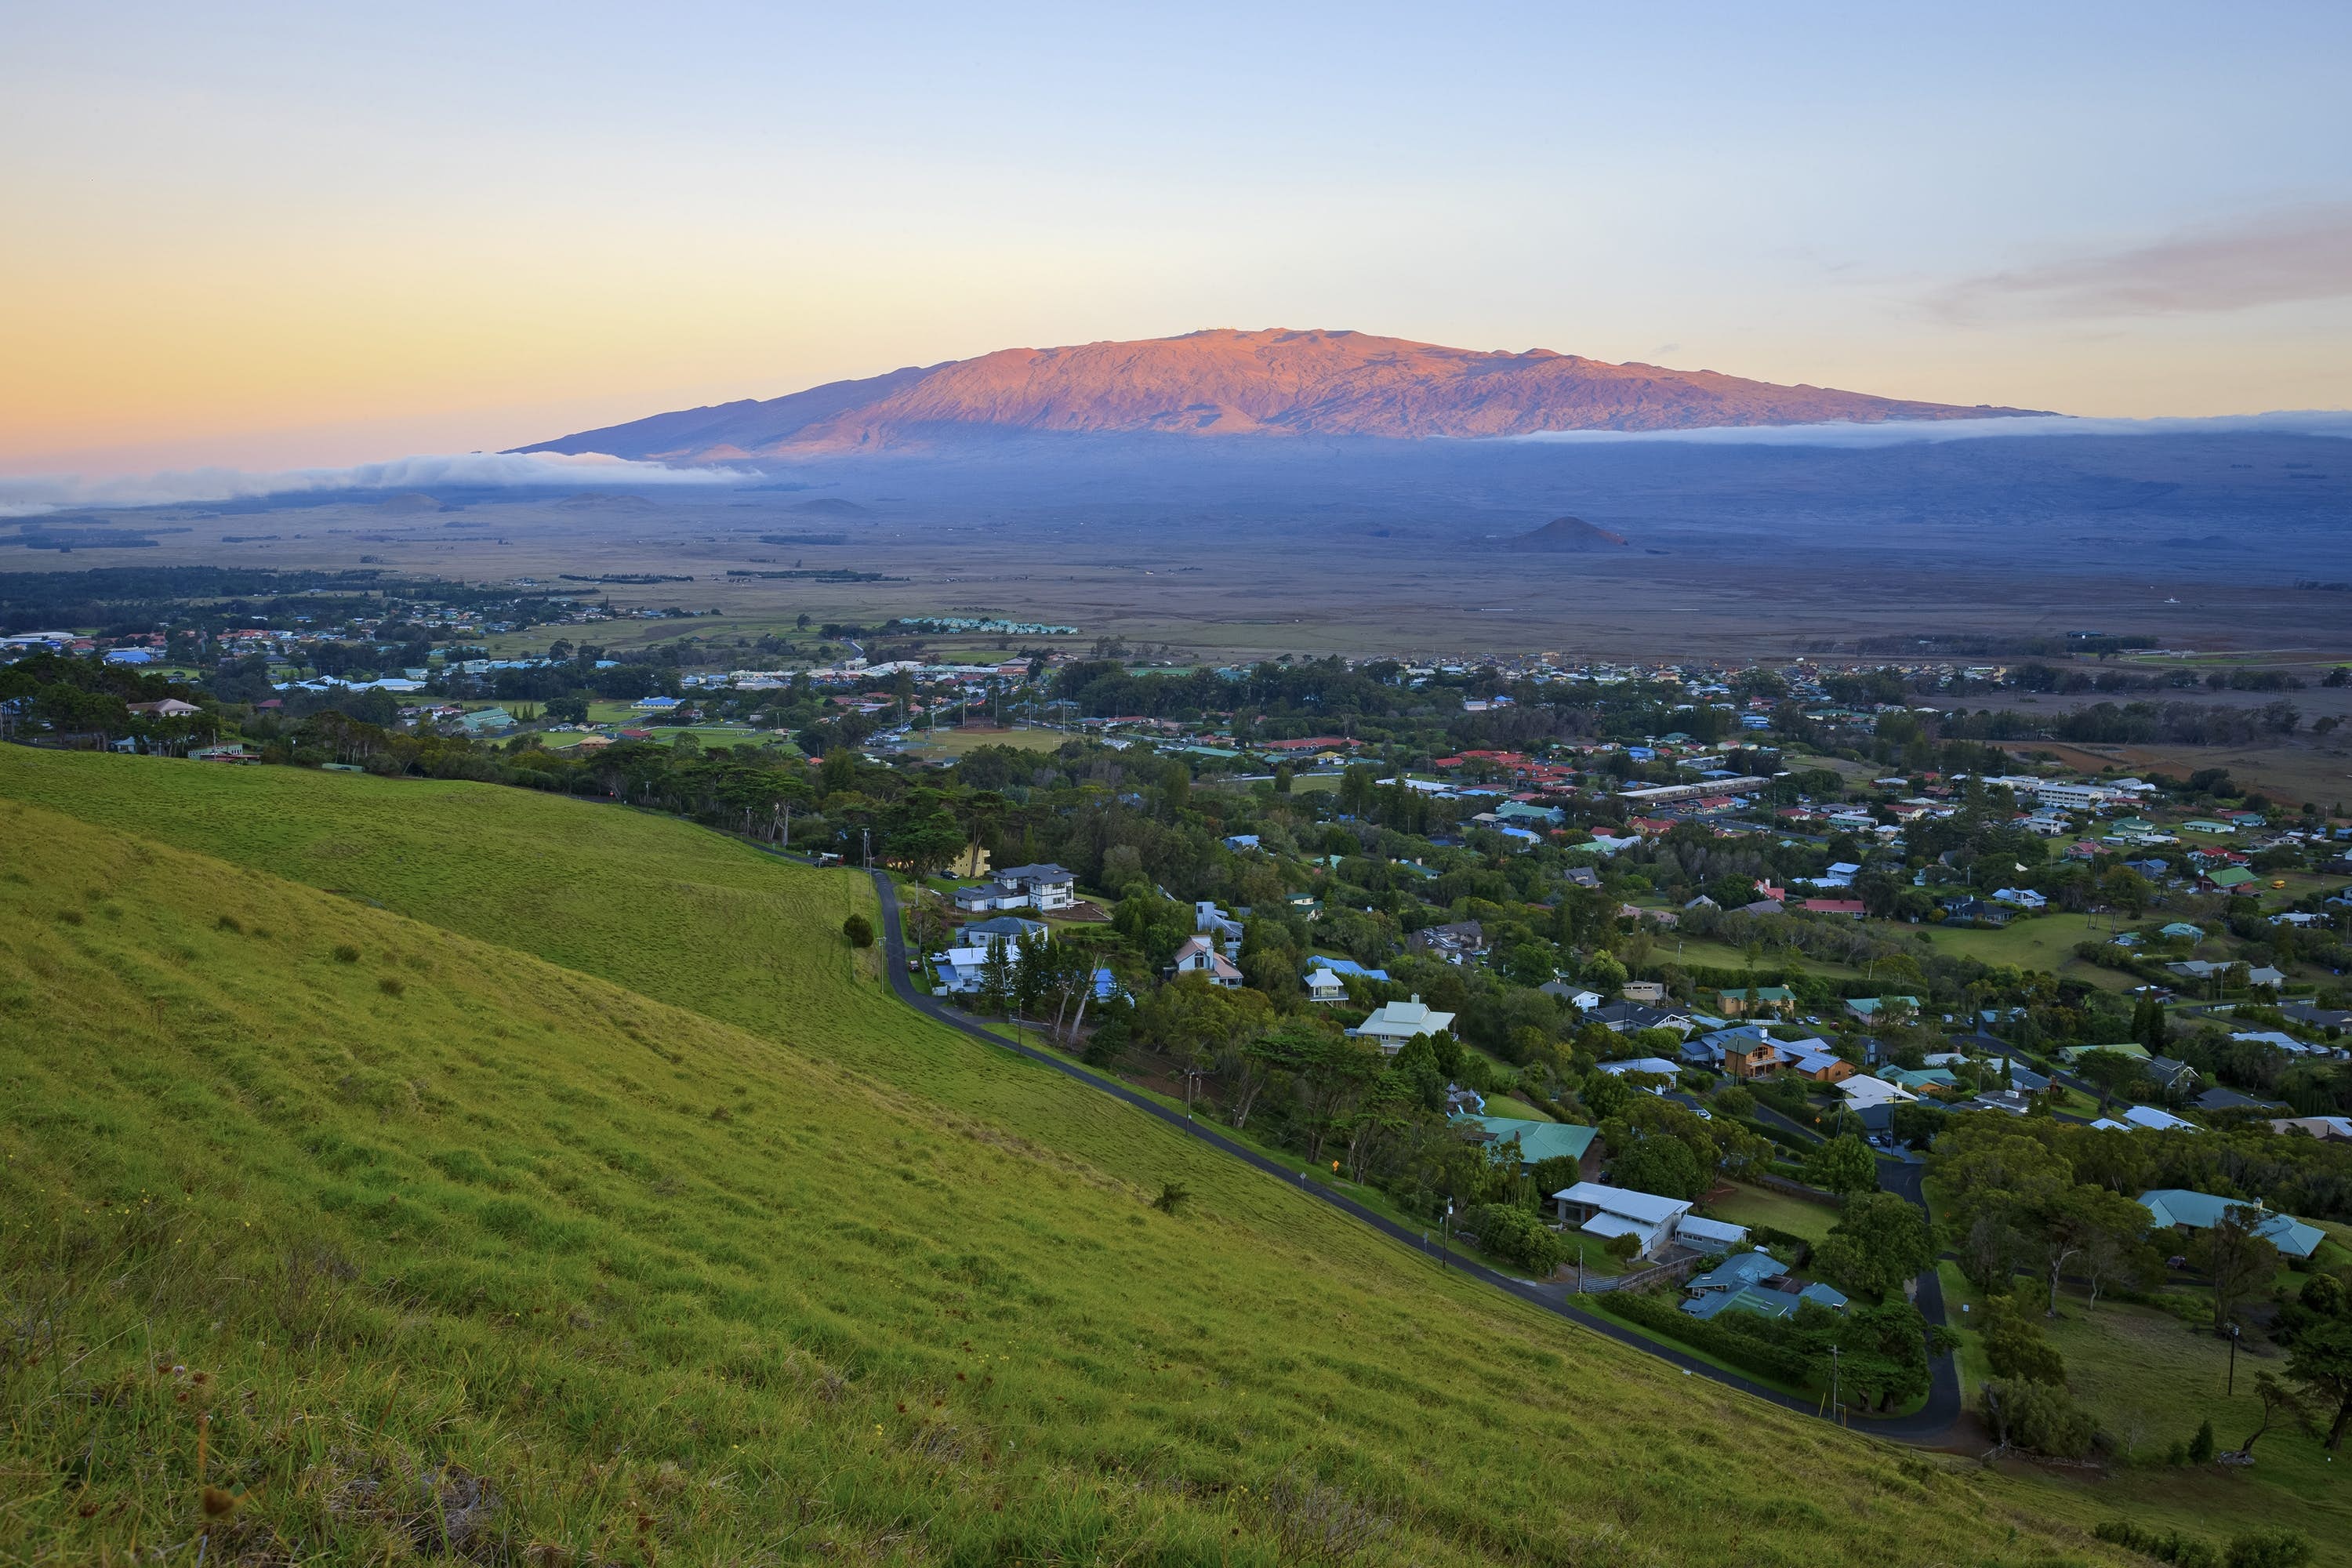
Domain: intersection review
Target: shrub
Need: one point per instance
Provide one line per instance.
(2201, 1447)
(391, 986)
(229, 924)
(2017, 1348)
(859, 931)
(1171, 1197)
(1515, 1235)
(2040, 1417)
(346, 953)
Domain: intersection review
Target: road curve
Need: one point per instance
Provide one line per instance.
(1929, 1426)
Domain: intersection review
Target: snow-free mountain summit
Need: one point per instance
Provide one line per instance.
(1224, 382)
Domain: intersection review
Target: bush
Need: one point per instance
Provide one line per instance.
(2253, 1549)
(2201, 1447)
(859, 931)
(2017, 1348)
(2040, 1417)
(1720, 1337)
(346, 953)
(1515, 1235)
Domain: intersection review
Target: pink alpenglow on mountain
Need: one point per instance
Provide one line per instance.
(1225, 383)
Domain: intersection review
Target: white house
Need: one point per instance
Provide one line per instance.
(1322, 985)
(1642, 1063)
(1200, 956)
(1655, 1223)
(1037, 888)
(1862, 1092)
(2023, 898)
(1392, 1024)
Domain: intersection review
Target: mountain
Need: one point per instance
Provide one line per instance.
(1226, 383)
(1566, 533)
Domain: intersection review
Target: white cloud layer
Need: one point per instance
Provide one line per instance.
(33, 495)
(1903, 432)
(2273, 258)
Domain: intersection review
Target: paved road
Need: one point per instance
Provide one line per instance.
(1930, 1425)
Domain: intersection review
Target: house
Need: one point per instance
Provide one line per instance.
(1208, 917)
(2266, 976)
(1200, 956)
(2170, 1076)
(1004, 928)
(1753, 1282)
(1864, 1093)
(1609, 1212)
(1922, 1080)
(2230, 877)
(2326, 1129)
(1391, 1024)
(2182, 929)
(1871, 1009)
(1534, 1141)
(2180, 1208)
(1625, 1017)
(1240, 841)
(1322, 985)
(1049, 886)
(1348, 969)
(2023, 898)
(1658, 1065)
(2015, 1101)
(1453, 944)
(1849, 909)
(1973, 909)
(2147, 1118)
(2220, 1098)
(233, 751)
(1762, 998)
(1577, 996)
(1649, 992)
(169, 708)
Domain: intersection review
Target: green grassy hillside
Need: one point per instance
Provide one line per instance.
(700, 1248)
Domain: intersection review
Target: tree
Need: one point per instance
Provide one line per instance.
(2201, 1446)
(1878, 1243)
(1662, 1165)
(1843, 1165)
(859, 931)
(2015, 1345)
(2040, 1417)
(2233, 1259)
(2281, 1401)
(2080, 1219)
(2321, 1360)
(995, 979)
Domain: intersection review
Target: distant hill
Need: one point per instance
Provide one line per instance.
(1565, 534)
(1226, 383)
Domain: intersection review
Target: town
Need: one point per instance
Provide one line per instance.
(1816, 1020)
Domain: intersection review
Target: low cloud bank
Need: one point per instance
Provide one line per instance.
(32, 496)
(1903, 432)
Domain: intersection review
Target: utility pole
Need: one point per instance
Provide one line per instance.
(2232, 1387)
(866, 847)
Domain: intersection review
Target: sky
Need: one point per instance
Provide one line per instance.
(275, 235)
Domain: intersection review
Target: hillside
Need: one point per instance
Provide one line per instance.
(1225, 383)
(698, 1247)
(1566, 535)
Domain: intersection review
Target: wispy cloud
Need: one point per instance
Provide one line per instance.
(34, 495)
(1903, 432)
(2281, 257)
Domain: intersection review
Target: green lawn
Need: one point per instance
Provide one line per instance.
(1762, 1205)
(961, 742)
(2151, 1378)
(602, 1175)
(1518, 1109)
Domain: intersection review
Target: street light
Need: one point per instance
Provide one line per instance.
(2232, 1387)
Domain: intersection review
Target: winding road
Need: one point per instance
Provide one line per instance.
(1931, 1425)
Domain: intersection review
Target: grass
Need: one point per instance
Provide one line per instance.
(1695, 954)
(961, 741)
(2150, 1377)
(1518, 1110)
(1753, 1205)
(605, 1202)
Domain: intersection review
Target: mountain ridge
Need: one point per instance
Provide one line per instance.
(1227, 382)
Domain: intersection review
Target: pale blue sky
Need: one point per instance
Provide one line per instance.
(292, 233)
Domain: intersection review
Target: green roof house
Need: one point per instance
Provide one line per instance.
(2202, 1211)
(1538, 1141)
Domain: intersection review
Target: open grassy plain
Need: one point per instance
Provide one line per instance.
(444, 1168)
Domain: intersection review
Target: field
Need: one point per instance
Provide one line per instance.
(519, 1171)
(966, 738)
(1761, 1205)
(2151, 1378)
